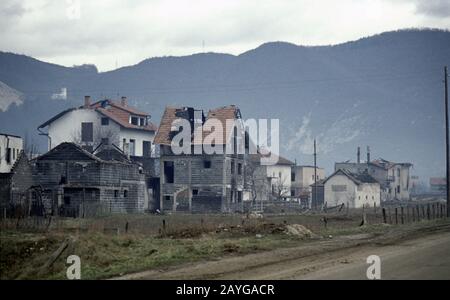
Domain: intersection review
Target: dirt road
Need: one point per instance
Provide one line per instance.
(405, 254)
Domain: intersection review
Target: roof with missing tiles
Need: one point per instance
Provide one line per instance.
(171, 114)
(356, 178)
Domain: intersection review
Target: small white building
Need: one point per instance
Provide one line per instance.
(103, 122)
(354, 190)
(272, 181)
(10, 148)
(303, 177)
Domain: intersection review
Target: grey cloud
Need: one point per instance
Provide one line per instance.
(433, 8)
(11, 9)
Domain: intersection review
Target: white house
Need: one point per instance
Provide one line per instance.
(10, 147)
(354, 190)
(303, 177)
(394, 177)
(103, 122)
(272, 181)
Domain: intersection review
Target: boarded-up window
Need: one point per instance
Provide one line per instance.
(87, 132)
(339, 188)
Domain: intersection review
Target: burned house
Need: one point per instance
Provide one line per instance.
(78, 183)
(394, 177)
(196, 180)
(16, 188)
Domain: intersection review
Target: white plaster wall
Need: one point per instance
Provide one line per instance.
(68, 127)
(139, 136)
(14, 143)
(337, 198)
(367, 194)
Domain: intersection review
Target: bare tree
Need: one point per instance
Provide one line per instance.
(281, 188)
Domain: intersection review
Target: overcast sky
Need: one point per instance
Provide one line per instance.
(110, 32)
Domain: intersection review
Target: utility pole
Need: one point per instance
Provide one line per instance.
(446, 141)
(315, 175)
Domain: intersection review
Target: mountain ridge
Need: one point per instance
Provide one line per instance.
(384, 91)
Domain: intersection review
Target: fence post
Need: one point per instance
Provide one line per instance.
(390, 215)
(164, 226)
(384, 215)
(408, 218)
(423, 212)
(428, 211)
(396, 216)
(402, 217)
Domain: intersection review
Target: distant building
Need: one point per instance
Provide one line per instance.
(103, 122)
(317, 195)
(201, 182)
(354, 190)
(438, 185)
(16, 188)
(301, 180)
(393, 177)
(271, 182)
(10, 148)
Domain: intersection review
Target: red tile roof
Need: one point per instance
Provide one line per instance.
(170, 115)
(115, 111)
(438, 181)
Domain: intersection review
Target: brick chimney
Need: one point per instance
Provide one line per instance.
(123, 101)
(87, 101)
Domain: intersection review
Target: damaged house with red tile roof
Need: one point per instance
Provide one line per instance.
(199, 180)
(103, 122)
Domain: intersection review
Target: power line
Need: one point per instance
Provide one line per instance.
(294, 84)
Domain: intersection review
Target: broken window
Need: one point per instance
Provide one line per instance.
(116, 193)
(142, 122)
(292, 193)
(293, 176)
(8, 155)
(125, 193)
(232, 167)
(194, 192)
(105, 121)
(168, 172)
(105, 141)
(132, 147)
(239, 168)
(207, 164)
(146, 148)
(239, 196)
(87, 132)
(134, 121)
